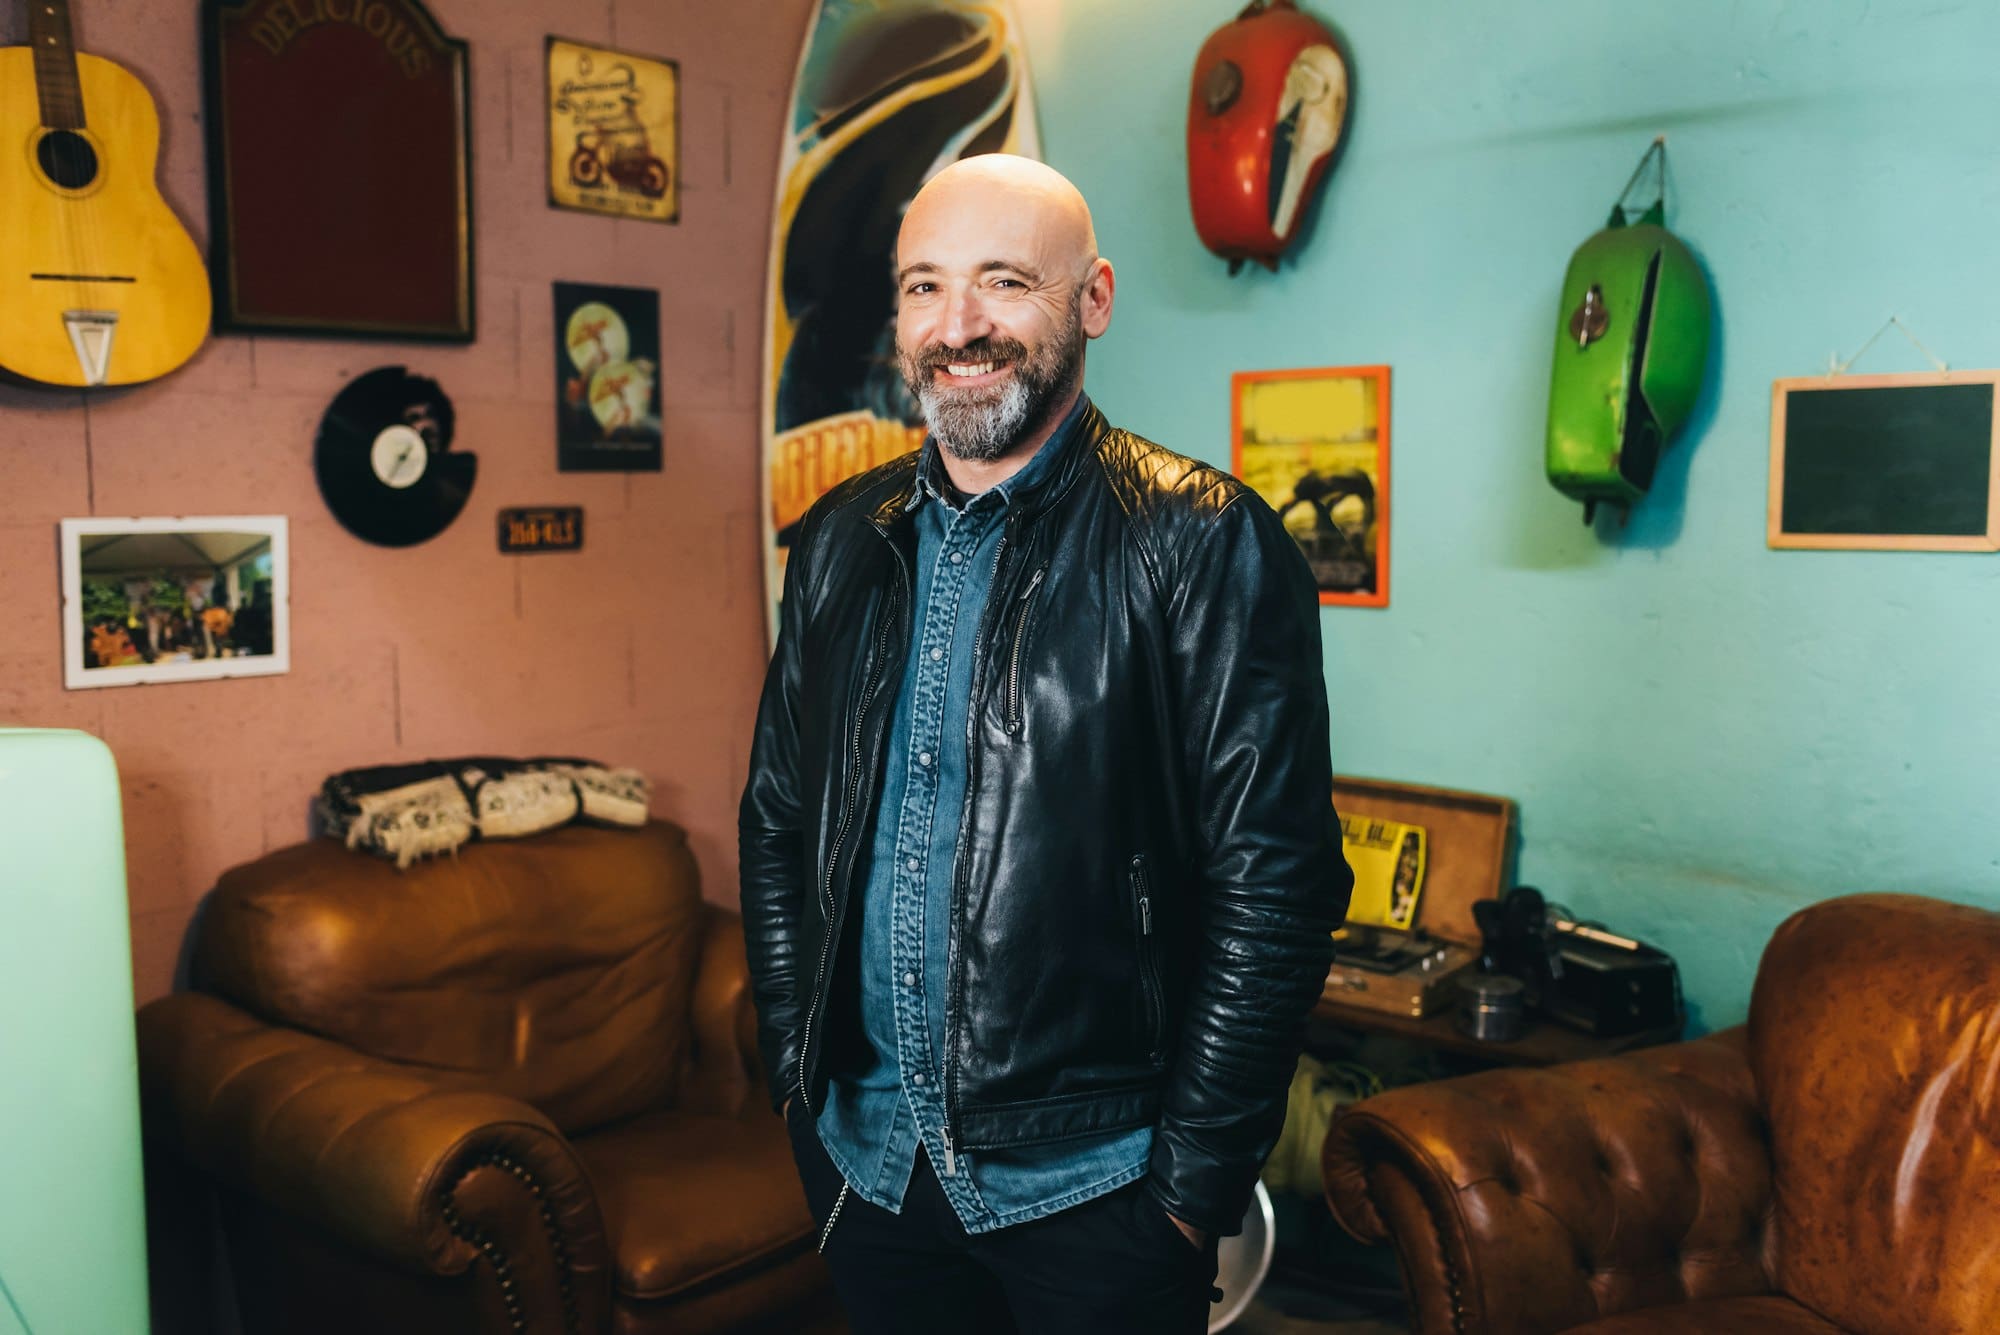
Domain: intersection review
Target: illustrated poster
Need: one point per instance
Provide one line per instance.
(1315, 444)
(607, 379)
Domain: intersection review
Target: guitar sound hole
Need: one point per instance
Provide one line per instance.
(67, 158)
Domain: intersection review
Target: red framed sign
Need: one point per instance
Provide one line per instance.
(340, 177)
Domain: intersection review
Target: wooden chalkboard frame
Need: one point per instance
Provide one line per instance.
(1778, 536)
(247, 267)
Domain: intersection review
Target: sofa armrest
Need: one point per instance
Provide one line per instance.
(724, 1074)
(416, 1168)
(1536, 1200)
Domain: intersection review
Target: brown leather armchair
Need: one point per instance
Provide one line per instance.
(514, 1090)
(1834, 1166)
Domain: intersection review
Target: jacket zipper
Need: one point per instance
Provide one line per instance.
(1014, 655)
(840, 837)
(958, 871)
(1148, 967)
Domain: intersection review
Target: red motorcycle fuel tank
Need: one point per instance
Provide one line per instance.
(1265, 112)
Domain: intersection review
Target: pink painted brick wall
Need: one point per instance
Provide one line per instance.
(646, 649)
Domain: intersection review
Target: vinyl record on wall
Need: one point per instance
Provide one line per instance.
(384, 462)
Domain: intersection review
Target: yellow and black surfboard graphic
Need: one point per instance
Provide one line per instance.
(886, 95)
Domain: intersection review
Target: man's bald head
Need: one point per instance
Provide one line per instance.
(999, 288)
(995, 182)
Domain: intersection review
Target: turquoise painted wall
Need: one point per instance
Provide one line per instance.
(1703, 734)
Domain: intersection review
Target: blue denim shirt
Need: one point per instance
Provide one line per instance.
(874, 1120)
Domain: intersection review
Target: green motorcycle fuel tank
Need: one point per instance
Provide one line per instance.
(1630, 349)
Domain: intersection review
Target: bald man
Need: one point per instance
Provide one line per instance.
(1039, 856)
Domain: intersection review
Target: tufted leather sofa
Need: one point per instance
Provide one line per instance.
(1833, 1166)
(514, 1090)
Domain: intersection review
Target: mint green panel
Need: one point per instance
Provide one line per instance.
(72, 1216)
(1653, 324)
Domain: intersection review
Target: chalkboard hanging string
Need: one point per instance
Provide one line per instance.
(1834, 366)
(1655, 156)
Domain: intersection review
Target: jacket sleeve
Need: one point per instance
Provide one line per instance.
(771, 845)
(1271, 881)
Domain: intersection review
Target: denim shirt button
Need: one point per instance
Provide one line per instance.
(936, 654)
(910, 979)
(958, 558)
(911, 863)
(917, 1079)
(924, 758)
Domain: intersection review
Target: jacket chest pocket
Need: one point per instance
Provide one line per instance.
(1149, 959)
(1013, 702)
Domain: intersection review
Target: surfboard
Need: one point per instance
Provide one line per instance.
(887, 94)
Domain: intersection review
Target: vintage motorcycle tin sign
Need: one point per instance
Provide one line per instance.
(614, 132)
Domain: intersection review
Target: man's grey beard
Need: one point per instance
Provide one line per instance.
(981, 425)
(975, 428)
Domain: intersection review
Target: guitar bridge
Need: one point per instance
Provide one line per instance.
(90, 334)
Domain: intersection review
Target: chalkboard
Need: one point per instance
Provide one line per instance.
(1905, 462)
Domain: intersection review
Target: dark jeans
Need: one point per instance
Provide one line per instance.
(1115, 1265)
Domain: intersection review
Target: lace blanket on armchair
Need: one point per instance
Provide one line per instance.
(406, 812)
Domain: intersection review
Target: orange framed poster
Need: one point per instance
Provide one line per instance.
(1314, 443)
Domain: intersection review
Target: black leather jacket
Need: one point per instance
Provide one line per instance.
(1149, 865)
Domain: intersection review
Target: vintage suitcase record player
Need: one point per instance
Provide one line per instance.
(1468, 838)
(1403, 973)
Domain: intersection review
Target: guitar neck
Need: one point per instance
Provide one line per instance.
(55, 64)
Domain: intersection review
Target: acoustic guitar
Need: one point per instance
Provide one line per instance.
(100, 284)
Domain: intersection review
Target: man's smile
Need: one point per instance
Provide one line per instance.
(975, 373)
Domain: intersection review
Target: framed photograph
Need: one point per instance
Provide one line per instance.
(1315, 444)
(607, 364)
(1886, 462)
(339, 169)
(183, 599)
(614, 132)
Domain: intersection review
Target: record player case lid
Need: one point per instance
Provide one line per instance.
(1471, 844)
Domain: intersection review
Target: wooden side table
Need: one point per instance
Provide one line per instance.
(1540, 1044)
(1471, 855)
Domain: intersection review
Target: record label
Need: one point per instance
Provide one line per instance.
(399, 456)
(384, 462)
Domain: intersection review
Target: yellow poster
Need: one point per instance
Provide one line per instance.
(1315, 444)
(614, 132)
(1388, 859)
